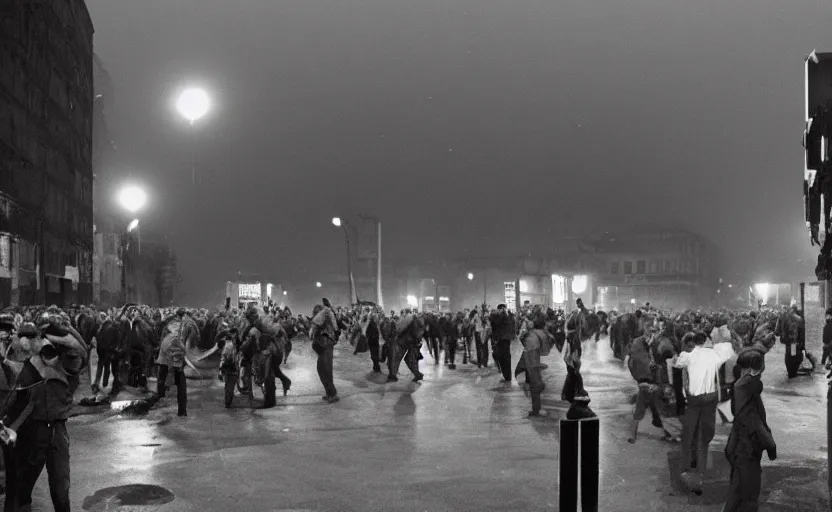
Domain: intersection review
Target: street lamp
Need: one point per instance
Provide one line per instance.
(193, 104)
(132, 199)
(286, 293)
(470, 276)
(338, 223)
(318, 284)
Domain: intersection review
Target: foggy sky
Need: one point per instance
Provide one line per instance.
(438, 115)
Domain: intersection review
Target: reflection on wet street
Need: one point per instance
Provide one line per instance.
(460, 440)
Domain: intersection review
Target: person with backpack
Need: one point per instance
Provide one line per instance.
(409, 331)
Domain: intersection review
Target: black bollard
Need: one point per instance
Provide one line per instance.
(568, 476)
(590, 430)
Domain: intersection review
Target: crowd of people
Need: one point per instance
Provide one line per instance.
(684, 365)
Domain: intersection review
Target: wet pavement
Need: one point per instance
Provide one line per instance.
(459, 441)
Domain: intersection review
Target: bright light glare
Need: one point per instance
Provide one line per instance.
(318, 284)
(412, 301)
(762, 291)
(132, 199)
(470, 276)
(558, 289)
(336, 221)
(579, 284)
(193, 104)
(133, 225)
(285, 292)
(632, 301)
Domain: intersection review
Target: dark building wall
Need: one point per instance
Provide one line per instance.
(46, 98)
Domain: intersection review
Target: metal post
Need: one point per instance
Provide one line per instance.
(590, 431)
(568, 474)
(379, 299)
(349, 261)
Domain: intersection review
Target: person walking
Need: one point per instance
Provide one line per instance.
(324, 338)
(33, 429)
(502, 327)
(698, 423)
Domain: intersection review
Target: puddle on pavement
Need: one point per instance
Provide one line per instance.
(112, 498)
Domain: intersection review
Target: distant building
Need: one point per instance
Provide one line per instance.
(670, 269)
(46, 118)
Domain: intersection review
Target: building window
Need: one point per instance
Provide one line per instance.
(614, 267)
(628, 267)
(655, 267)
(641, 267)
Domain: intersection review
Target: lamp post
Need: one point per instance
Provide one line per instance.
(193, 104)
(379, 297)
(337, 222)
(484, 284)
(132, 199)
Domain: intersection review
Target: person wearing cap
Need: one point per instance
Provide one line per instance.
(34, 429)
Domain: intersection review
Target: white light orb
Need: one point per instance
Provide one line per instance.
(318, 284)
(133, 225)
(285, 292)
(336, 221)
(132, 199)
(470, 276)
(193, 104)
(579, 284)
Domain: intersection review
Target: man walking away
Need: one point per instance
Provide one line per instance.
(324, 337)
(503, 331)
(645, 371)
(373, 336)
(698, 423)
(749, 437)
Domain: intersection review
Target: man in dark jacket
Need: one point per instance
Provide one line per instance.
(33, 429)
(450, 333)
(749, 437)
(502, 326)
(647, 374)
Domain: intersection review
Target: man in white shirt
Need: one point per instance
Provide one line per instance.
(698, 424)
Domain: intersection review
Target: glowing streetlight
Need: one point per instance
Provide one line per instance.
(133, 225)
(285, 292)
(193, 104)
(470, 276)
(318, 284)
(336, 221)
(132, 198)
(579, 284)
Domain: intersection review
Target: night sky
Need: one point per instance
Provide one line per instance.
(483, 125)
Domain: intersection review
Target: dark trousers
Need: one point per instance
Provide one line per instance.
(137, 377)
(793, 361)
(399, 352)
(678, 390)
(450, 350)
(433, 347)
(325, 358)
(372, 342)
(536, 386)
(502, 354)
(181, 386)
(482, 349)
(744, 490)
(698, 428)
(466, 346)
(288, 351)
(38, 444)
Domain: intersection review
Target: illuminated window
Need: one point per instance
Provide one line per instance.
(5, 252)
(558, 289)
(511, 298)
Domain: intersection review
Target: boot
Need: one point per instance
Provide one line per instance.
(376, 368)
(634, 432)
(418, 377)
